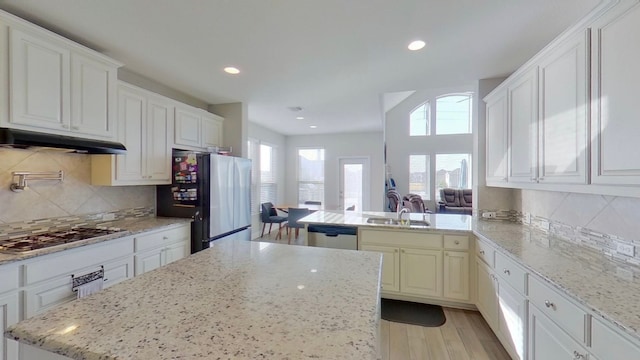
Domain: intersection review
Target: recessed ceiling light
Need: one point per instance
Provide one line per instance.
(312, 126)
(231, 70)
(416, 45)
(300, 118)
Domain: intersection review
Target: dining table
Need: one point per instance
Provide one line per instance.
(312, 207)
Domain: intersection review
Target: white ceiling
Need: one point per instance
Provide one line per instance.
(334, 58)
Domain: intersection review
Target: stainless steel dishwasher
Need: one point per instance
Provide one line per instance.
(333, 236)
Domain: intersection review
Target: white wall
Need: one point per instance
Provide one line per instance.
(236, 123)
(278, 141)
(367, 144)
(400, 145)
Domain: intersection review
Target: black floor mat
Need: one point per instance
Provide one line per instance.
(412, 313)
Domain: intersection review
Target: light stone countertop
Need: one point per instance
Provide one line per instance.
(609, 288)
(236, 300)
(129, 227)
(439, 222)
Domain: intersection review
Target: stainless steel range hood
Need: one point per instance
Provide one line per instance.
(21, 139)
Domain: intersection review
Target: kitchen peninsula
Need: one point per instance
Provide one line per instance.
(236, 300)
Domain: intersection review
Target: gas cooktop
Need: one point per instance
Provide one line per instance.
(44, 240)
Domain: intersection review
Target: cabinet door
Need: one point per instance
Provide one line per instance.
(513, 315)
(605, 341)
(616, 85)
(548, 341)
(93, 97)
(487, 301)
(118, 271)
(211, 132)
(456, 275)
(158, 149)
(39, 82)
(564, 113)
(150, 260)
(132, 113)
(390, 266)
(52, 293)
(421, 272)
(523, 121)
(9, 315)
(177, 251)
(187, 127)
(497, 139)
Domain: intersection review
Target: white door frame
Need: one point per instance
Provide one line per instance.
(366, 180)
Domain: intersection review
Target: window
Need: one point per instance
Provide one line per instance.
(268, 185)
(419, 175)
(453, 114)
(419, 120)
(452, 171)
(310, 175)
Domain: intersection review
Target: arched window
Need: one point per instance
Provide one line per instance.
(419, 120)
(453, 114)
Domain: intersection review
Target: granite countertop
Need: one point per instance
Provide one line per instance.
(439, 222)
(235, 300)
(129, 227)
(607, 287)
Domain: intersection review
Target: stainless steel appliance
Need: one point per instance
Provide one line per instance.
(214, 190)
(332, 236)
(44, 240)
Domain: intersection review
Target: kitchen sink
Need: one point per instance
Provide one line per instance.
(396, 222)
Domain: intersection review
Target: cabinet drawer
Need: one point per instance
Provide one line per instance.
(511, 272)
(456, 242)
(485, 252)
(65, 263)
(152, 240)
(48, 295)
(9, 276)
(605, 341)
(559, 309)
(401, 238)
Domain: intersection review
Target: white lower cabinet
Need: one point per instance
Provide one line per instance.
(421, 272)
(503, 307)
(548, 341)
(156, 249)
(421, 265)
(390, 266)
(9, 315)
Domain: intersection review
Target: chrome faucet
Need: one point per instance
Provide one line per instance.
(402, 211)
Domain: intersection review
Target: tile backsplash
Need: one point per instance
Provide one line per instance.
(596, 221)
(52, 199)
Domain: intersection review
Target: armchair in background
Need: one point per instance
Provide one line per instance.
(456, 201)
(414, 203)
(394, 200)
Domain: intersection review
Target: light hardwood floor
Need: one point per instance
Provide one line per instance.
(464, 336)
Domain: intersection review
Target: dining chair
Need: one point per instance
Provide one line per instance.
(269, 215)
(351, 208)
(296, 214)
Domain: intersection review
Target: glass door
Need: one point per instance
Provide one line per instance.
(354, 183)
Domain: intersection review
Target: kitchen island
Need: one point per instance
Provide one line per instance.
(236, 300)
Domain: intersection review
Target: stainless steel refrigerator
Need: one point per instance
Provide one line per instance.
(214, 191)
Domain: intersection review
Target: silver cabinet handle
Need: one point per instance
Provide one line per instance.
(395, 250)
(457, 242)
(165, 238)
(65, 126)
(506, 271)
(549, 304)
(75, 127)
(481, 252)
(577, 355)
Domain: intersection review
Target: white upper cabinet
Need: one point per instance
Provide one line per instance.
(55, 85)
(497, 131)
(93, 93)
(187, 126)
(523, 114)
(40, 82)
(615, 89)
(145, 123)
(564, 102)
(196, 128)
